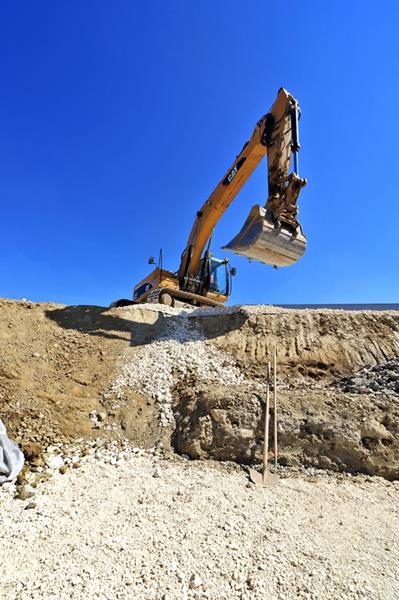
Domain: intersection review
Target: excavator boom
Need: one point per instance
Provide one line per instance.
(271, 234)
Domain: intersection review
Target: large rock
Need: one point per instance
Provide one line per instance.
(219, 422)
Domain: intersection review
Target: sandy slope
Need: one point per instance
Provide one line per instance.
(81, 371)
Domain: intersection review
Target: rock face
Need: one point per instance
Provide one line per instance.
(221, 422)
(196, 381)
(316, 428)
(316, 344)
(338, 391)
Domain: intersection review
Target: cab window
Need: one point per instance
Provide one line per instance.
(218, 277)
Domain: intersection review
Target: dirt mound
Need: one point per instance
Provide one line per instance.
(55, 364)
(147, 373)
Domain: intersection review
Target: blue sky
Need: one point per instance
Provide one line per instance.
(118, 119)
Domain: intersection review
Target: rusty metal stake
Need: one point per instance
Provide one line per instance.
(275, 403)
(266, 429)
(265, 479)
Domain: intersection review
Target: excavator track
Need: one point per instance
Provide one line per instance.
(169, 297)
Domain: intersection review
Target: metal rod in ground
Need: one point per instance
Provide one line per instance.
(275, 403)
(266, 432)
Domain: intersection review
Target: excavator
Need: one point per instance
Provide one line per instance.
(271, 234)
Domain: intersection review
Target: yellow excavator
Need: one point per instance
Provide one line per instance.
(271, 234)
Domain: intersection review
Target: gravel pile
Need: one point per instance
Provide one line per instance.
(131, 524)
(181, 352)
(158, 308)
(207, 311)
(381, 379)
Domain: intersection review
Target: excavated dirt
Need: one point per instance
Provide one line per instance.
(196, 381)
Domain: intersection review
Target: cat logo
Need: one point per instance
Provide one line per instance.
(230, 176)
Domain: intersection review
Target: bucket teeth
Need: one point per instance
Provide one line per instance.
(260, 240)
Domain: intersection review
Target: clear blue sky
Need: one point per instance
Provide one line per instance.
(119, 118)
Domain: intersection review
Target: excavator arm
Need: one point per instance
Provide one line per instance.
(271, 234)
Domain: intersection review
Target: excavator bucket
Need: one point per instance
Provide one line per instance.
(260, 240)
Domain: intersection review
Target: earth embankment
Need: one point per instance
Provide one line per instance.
(196, 380)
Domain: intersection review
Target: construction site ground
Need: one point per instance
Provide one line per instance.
(138, 425)
(152, 528)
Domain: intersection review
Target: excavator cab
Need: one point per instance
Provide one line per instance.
(218, 275)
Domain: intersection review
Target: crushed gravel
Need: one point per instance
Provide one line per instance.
(134, 525)
(180, 352)
(249, 309)
(382, 379)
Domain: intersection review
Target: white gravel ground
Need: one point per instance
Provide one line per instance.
(153, 528)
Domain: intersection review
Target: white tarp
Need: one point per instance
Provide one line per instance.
(11, 457)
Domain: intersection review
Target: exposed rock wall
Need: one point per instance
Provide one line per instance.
(315, 343)
(316, 427)
(84, 371)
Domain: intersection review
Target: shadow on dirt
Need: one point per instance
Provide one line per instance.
(140, 327)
